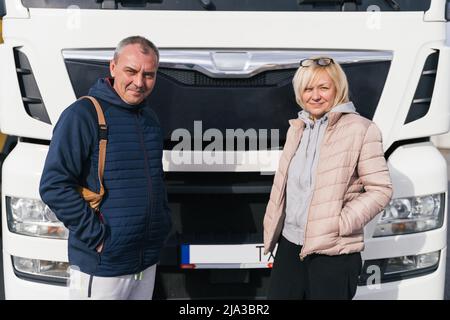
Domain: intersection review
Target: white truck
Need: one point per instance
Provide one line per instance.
(226, 67)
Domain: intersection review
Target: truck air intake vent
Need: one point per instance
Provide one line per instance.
(424, 92)
(193, 78)
(31, 97)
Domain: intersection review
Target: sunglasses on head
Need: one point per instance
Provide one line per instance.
(323, 62)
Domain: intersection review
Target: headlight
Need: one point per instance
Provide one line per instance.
(51, 272)
(398, 268)
(33, 218)
(409, 215)
(410, 263)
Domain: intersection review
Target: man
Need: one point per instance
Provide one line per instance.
(113, 252)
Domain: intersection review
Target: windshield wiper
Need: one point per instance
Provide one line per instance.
(207, 5)
(393, 4)
(112, 4)
(345, 5)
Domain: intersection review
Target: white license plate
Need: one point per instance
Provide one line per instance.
(239, 256)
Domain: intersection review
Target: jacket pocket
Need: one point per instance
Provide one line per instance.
(83, 256)
(343, 231)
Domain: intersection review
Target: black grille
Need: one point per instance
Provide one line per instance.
(193, 78)
(217, 218)
(218, 183)
(263, 102)
(424, 91)
(229, 208)
(31, 97)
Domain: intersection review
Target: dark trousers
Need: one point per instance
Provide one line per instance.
(316, 277)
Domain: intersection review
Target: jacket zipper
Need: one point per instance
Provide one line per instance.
(149, 183)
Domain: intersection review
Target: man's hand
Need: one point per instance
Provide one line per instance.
(99, 247)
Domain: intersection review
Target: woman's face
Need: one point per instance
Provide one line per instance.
(318, 96)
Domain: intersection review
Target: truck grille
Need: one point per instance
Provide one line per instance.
(191, 87)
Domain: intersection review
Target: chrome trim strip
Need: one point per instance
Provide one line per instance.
(236, 63)
(423, 100)
(428, 72)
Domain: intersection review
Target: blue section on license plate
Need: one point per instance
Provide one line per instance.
(185, 259)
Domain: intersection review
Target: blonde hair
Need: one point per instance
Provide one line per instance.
(306, 75)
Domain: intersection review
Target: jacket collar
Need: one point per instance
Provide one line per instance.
(333, 118)
(333, 115)
(297, 123)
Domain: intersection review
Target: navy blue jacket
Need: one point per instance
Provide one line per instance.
(135, 212)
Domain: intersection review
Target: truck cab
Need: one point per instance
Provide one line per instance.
(224, 97)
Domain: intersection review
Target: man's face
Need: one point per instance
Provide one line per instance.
(134, 74)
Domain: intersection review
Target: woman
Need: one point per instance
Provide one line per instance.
(331, 181)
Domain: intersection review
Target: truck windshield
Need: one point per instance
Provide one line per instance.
(237, 5)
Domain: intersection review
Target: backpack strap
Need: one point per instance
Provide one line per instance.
(94, 199)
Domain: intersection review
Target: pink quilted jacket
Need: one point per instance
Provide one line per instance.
(352, 186)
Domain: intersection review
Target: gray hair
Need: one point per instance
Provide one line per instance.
(145, 44)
